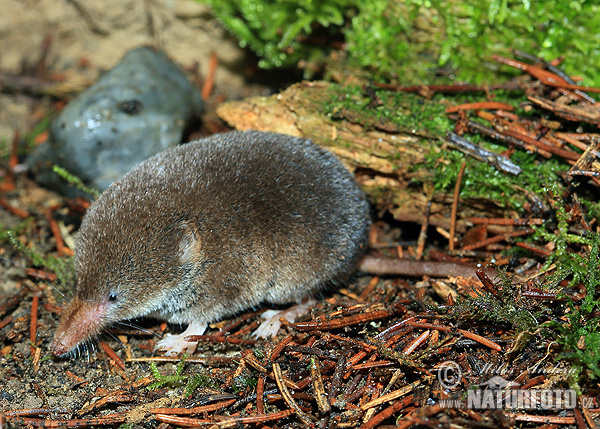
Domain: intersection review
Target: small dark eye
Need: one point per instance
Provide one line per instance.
(112, 296)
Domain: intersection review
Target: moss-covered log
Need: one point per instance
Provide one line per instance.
(389, 159)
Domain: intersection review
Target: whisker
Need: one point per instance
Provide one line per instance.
(63, 295)
(95, 345)
(131, 325)
(76, 352)
(115, 337)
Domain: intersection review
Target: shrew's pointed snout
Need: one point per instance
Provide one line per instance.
(60, 346)
(80, 321)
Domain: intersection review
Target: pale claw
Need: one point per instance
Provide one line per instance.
(270, 327)
(175, 344)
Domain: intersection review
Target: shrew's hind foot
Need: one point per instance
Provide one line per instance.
(270, 327)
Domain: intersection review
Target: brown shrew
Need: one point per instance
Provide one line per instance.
(213, 227)
(217, 226)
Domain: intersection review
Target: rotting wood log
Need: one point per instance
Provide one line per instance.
(386, 163)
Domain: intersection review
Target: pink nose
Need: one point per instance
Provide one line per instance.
(58, 347)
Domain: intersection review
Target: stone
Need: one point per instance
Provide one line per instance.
(136, 110)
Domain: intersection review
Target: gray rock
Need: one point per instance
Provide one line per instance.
(136, 110)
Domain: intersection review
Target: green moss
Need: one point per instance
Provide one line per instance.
(259, 353)
(410, 40)
(564, 241)
(481, 179)
(413, 39)
(412, 114)
(75, 181)
(577, 259)
(242, 383)
(63, 267)
(391, 38)
(9, 234)
(507, 306)
(591, 207)
(178, 379)
(278, 31)
(395, 111)
(580, 337)
(199, 380)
